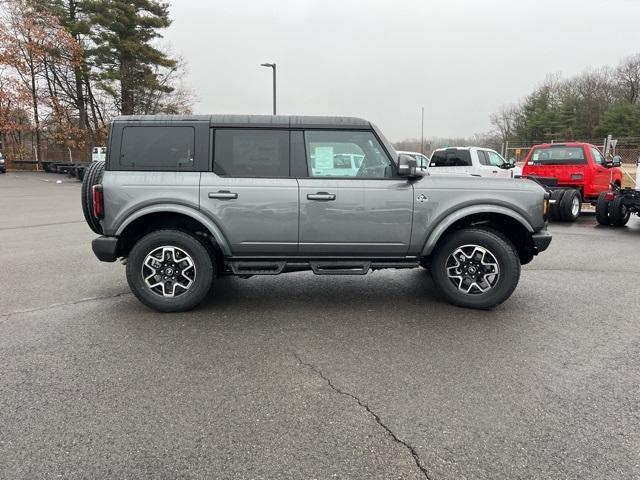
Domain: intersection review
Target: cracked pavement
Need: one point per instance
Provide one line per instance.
(300, 376)
(411, 450)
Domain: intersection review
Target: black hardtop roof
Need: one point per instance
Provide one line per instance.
(281, 121)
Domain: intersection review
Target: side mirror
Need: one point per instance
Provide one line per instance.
(617, 161)
(512, 162)
(406, 166)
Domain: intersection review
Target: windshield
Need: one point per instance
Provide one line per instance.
(558, 156)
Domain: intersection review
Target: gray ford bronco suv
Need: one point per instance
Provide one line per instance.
(183, 199)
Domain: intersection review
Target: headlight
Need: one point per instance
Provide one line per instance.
(1, 160)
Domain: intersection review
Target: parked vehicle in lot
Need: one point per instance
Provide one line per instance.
(98, 154)
(3, 163)
(574, 173)
(422, 161)
(184, 199)
(481, 162)
(616, 206)
(75, 169)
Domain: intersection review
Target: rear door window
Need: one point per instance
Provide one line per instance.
(157, 148)
(251, 153)
(451, 158)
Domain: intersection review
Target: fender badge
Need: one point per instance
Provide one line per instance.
(421, 198)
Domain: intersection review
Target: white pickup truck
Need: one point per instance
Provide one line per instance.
(481, 162)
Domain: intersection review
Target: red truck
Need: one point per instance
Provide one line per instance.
(574, 173)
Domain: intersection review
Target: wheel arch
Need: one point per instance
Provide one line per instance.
(508, 222)
(159, 217)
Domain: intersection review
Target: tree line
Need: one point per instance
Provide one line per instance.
(590, 105)
(68, 66)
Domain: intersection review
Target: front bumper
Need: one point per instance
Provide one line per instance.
(541, 239)
(105, 248)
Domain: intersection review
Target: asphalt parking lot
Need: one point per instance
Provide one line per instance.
(300, 376)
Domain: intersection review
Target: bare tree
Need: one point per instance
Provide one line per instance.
(504, 121)
(627, 77)
(167, 93)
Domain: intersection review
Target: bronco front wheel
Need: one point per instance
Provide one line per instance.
(170, 270)
(476, 268)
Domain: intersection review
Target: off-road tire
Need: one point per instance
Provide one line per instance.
(618, 213)
(92, 176)
(554, 208)
(566, 211)
(204, 262)
(602, 209)
(499, 246)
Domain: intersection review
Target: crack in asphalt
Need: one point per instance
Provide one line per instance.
(376, 417)
(19, 227)
(578, 270)
(61, 304)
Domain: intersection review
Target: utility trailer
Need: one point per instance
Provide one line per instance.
(56, 167)
(73, 170)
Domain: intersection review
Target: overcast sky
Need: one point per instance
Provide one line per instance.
(383, 60)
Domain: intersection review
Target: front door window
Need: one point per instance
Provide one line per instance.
(346, 154)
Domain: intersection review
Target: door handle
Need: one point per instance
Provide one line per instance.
(223, 195)
(321, 196)
(495, 171)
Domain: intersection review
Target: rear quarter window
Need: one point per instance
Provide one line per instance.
(157, 148)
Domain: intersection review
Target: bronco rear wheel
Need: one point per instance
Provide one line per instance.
(170, 270)
(476, 268)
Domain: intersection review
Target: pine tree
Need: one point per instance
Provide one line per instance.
(122, 32)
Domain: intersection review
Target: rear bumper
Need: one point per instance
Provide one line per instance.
(105, 248)
(541, 239)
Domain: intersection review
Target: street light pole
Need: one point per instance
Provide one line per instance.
(272, 66)
(422, 134)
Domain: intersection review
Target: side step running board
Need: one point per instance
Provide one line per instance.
(338, 267)
(257, 268)
(248, 267)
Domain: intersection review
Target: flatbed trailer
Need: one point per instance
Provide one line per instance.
(73, 170)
